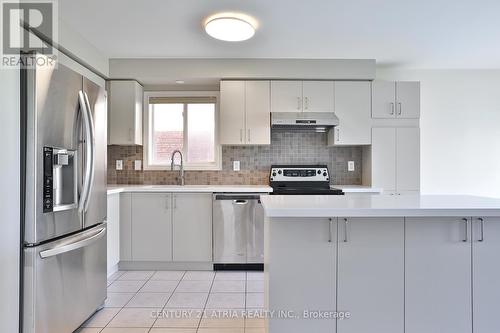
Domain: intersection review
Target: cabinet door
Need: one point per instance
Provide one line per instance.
(126, 226)
(407, 159)
(301, 260)
(486, 274)
(232, 112)
(125, 114)
(383, 99)
(408, 99)
(384, 158)
(192, 227)
(113, 232)
(352, 106)
(318, 96)
(151, 227)
(258, 112)
(438, 275)
(370, 282)
(286, 96)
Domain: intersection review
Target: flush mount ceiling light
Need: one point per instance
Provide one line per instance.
(230, 27)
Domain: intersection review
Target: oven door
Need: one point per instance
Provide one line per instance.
(64, 282)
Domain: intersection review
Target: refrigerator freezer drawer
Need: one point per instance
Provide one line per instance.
(64, 282)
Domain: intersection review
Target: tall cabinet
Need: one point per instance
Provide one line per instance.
(396, 99)
(395, 158)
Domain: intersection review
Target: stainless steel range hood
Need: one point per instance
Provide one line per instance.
(318, 121)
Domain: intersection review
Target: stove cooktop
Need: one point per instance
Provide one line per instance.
(301, 180)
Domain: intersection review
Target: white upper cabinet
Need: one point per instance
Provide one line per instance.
(258, 112)
(318, 96)
(286, 96)
(232, 112)
(125, 113)
(396, 99)
(352, 107)
(396, 159)
(245, 116)
(408, 99)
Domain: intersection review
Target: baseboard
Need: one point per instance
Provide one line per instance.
(239, 267)
(165, 266)
(112, 270)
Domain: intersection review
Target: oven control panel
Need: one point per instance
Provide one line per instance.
(297, 174)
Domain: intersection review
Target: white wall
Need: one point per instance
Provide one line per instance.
(460, 129)
(9, 200)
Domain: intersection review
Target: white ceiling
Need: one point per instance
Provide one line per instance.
(406, 33)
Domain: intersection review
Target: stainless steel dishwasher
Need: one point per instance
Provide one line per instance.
(238, 227)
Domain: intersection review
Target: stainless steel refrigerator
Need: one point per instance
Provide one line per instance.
(64, 186)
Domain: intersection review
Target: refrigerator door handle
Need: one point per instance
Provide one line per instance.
(92, 151)
(88, 148)
(77, 243)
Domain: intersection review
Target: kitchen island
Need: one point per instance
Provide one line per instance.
(381, 263)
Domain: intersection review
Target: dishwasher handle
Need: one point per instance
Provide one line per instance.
(237, 198)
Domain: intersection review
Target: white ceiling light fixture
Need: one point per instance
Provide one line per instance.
(230, 27)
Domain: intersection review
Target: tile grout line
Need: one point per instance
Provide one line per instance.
(206, 301)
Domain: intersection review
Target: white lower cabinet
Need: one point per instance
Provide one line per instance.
(113, 232)
(151, 227)
(438, 275)
(192, 227)
(370, 280)
(166, 227)
(486, 274)
(305, 277)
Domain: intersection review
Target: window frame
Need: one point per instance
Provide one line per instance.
(217, 165)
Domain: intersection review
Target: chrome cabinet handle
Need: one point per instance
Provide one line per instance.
(481, 223)
(241, 134)
(175, 202)
(346, 223)
(392, 109)
(298, 103)
(330, 227)
(338, 134)
(249, 135)
(399, 112)
(307, 103)
(167, 204)
(466, 222)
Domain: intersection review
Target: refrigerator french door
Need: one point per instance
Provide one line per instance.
(64, 186)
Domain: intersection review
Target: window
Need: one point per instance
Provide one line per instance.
(185, 121)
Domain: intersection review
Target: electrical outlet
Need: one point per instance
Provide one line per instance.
(119, 165)
(138, 165)
(236, 165)
(350, 166)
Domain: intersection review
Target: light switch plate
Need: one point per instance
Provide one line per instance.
(138, 165)
(119, 164)
(236, 165)
(350, 166)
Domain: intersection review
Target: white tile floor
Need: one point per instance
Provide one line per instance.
(180, 302)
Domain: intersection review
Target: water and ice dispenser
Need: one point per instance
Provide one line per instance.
(60, 189)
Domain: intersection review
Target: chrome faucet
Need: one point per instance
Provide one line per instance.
(181, 165)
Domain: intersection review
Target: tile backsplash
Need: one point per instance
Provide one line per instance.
(287, 147)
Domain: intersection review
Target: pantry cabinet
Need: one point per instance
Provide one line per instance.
(370, 282)
(125, 113)
(352, 107)
(151, 227)
(395, 154)
(399, 99)
(192, 227)
(245, 117)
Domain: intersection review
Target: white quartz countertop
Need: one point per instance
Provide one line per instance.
(379, 205)
(112, 189)
(358, 189)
